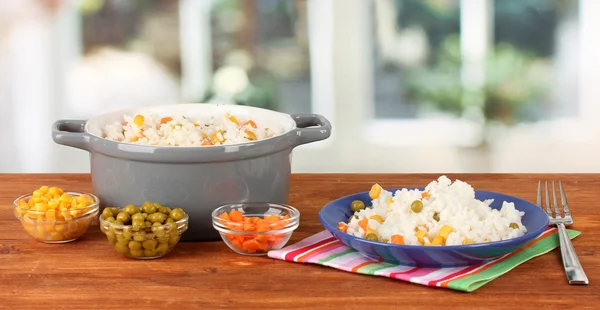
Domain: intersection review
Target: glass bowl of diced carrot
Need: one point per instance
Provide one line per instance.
(52, 215)
(255, 228)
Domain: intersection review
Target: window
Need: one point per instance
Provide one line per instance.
(252, 52)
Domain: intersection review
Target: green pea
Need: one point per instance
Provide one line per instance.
(137, 253)
(134, 245)
(177, 214)
(110, 219)
(106, 213)
(170, 220)
(131, 209)
(122, 240)
(147, 223)
(137, 223)
(137, 217)
(514, 225)
(159, 218)
(123, 217)
(352, 217)
(416, 206)
(436, 217)
(149, 253)
(139, 237)
(357, 205)
(149, 208)
(121, 248)
(371, 236)
(164, 210)
(149, 244)
(111, 236)
(162, 249)
(173, 240)
(163, 240)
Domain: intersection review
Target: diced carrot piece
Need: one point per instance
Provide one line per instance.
(275, 226)
(237, 243)
(251, 123)
(342, 227)
(230, 237)
(397, 239)
(255, 220)
(206, 142)
(236, 216)
(262, 227)
(224, 216)
(425, 194)
(271, 218)
(287, 216)
(249, 227)
(251, 245)
(165, 120)
(240, 238)
(363, 223)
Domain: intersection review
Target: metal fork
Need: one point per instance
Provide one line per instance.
(573, 268)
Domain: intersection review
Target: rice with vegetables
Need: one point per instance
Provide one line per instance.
(219, 128)
(444, 213)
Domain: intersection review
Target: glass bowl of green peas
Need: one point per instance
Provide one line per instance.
(146, 232)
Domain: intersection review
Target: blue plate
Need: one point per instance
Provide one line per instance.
(535, 220)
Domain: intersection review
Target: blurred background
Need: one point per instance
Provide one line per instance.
(409, 85)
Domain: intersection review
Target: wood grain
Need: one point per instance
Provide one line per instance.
(89, 274)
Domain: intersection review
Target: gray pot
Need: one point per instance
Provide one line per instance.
(197, 179)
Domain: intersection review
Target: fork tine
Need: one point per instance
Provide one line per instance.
(563, 199)
(556, 210)
(548, 210)
(539, 194)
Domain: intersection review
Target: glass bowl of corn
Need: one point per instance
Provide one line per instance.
(52, 215)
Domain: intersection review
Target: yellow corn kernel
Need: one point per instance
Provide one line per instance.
(35, 199)
(65, 198)
(66, 215)
(41, 206)
(75, 213)
(250, 134)
(390, 200)
(51, 215)
(138, 120)
(232, 118)
(53, 204)
(445, 231)
(420, 234)
(44, 188)
(375, 191)
(23, 204)
(217, 136)
(438, 240)
(467, 241)
(64, 205)
(84, 199)
(38, 193)
(377, 218)
(55, 191)
(134, 139)
(56, 236)
(49, 228)
(60, 228)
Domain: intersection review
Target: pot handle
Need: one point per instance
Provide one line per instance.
(308, 135)
(71, 133)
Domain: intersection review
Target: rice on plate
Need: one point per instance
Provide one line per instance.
(444, 213)
(217, 128)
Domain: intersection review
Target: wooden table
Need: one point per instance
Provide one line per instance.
(89, 274)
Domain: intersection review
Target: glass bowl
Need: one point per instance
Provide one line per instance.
(255, 228)
(56, 225)
(146, 241)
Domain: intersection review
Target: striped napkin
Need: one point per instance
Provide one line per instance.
(324, 249)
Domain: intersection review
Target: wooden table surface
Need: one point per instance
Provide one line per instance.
(89, 274)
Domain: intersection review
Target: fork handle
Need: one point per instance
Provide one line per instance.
(573, 268)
